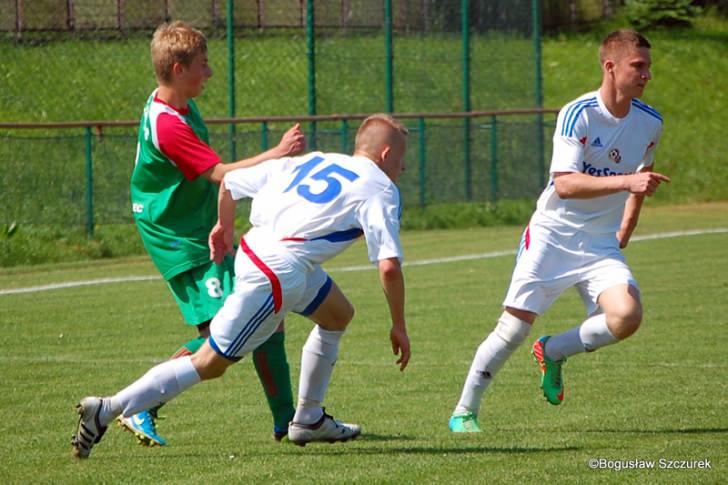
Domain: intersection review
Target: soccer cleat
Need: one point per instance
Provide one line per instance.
(552, 382)
(89, 430)
(326, 429)
(464, 422)
(144, 428)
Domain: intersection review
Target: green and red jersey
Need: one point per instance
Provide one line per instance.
(174, 208)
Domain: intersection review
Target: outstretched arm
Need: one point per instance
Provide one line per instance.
(392, 279)
(221, 236)
(577, 185)
(292, 143)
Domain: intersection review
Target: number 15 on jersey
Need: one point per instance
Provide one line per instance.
(326, 174)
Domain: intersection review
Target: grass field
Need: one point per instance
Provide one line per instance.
(660, 395)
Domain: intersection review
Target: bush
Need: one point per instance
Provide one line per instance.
(718, 6)
(646, 14)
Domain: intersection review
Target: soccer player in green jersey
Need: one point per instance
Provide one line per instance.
(174, 190)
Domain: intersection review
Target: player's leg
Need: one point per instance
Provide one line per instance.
(319, 355)
(619, 316)
(611, 296)
(510, 332)
(271, 365)
(270, 358)
(199, 293)
(535, 284)
(161, 383)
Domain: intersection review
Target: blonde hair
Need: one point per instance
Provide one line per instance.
(378, 130)
(175, 42)
(620, 42)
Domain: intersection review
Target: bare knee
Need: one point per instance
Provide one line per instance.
(208, 364)
(345, 315)
(624, 320)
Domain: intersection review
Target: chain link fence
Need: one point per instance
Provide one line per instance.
(78, 60)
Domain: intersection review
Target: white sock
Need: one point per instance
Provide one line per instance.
(317, 364)
(507, 336)
(591, 335)
(160, 384)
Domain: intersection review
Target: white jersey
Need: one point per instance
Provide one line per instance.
(590, 140)
(313, 207)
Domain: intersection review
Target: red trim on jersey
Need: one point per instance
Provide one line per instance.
(297, 239)
(527, 236)
(274, 282)
(182, 111)
(180, 144)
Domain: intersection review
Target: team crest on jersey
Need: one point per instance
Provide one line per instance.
(614, 155)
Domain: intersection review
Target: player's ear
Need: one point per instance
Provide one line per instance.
(177, 68)
(386, 150)
(609, 65)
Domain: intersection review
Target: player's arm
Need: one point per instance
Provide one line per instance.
(379, 219)
(577, 185)
(221, 236)
(631, 215)
(392, 279)
(292, 143)
(570, 182)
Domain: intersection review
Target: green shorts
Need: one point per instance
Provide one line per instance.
(201, 291)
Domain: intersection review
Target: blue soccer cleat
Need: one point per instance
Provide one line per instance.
(144, 428)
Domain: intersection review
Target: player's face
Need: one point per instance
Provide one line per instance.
(632, 72)
(196, 74)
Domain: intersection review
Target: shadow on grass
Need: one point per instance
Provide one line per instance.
(657, 431)
(442, 449)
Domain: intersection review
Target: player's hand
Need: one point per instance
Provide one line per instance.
(220, 243)
(400, 346)
(646, 183)
(293, 141)
(623, 236)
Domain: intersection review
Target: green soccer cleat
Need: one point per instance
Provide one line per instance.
(144, 428)
(464, 422)
(552, 382)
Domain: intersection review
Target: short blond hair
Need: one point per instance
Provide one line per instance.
(175, 42)
(377, 130)
(619, 42)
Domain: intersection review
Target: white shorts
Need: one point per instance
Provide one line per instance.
(548, 263)
(266, 288)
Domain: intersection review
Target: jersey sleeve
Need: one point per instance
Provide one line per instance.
(379, 219)
(569, 139)
(178, 142)
(246, 182)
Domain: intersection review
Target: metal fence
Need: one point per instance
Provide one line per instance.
(24, 17)
(90, 181)
(282, 58)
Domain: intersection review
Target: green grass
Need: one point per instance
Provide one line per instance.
(661, 394)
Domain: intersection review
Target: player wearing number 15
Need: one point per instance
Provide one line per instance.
(174, 202)
(305, 211)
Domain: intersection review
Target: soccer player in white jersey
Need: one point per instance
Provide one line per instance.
(305, 210)
(601, 170)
